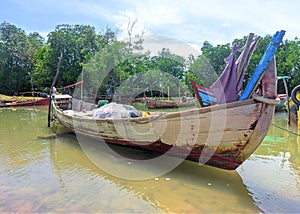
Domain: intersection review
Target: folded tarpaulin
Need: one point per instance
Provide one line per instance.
(229, 83)
(226, 88)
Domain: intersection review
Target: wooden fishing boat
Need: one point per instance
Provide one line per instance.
(154, 103)
(221, 135)
(34, 102)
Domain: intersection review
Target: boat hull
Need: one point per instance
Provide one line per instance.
(213, 136)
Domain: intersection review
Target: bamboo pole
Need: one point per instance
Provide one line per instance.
(51, 89)
(81, 88)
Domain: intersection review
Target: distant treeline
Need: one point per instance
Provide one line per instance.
(29, 63)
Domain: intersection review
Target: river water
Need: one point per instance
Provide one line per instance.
(40, 173)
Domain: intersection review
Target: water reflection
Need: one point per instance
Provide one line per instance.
(188, 188)
(272, 173)
(54, 175)
(22, 158)
(40, 174)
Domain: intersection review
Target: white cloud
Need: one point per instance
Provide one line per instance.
(155, 44)
(156, 12)
(214, 20)
(150, 16)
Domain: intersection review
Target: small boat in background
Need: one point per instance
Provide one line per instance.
(281, 106)
(156, 103)
(23, 101)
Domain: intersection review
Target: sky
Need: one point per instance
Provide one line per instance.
(190, 21)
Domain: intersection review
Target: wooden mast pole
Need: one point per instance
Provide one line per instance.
(51, 89)
(287, 98)
(81, 88)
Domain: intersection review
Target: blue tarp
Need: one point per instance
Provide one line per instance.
(263, 64)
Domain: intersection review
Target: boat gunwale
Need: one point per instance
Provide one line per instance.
(166, 115)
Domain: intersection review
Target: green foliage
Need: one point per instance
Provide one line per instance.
(203, 71)
(27, 63)
(16, 58)
(129, 70)
(288, 62)
(42, 74)
(74, 42)
(152, 82)
(216, 55)
(103, 67)
(169, 63)
(134, 63)
(77, 43)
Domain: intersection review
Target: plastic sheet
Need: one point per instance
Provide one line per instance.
(116, 110)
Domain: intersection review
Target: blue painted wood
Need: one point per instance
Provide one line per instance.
(263, 64)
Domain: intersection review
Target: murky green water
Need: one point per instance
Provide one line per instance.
(40, 174)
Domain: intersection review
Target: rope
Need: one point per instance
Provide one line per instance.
(265, 100)
(284, 129)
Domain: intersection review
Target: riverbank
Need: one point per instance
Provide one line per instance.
(17, 99)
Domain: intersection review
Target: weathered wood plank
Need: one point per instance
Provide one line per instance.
(263, 124)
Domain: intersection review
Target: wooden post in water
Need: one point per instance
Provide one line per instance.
(287, 98)
(51, 89)
(298, 117)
